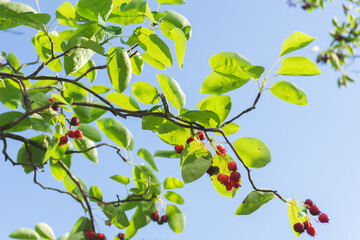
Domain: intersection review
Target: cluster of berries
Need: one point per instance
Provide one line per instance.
(232, 181)
(160, 220)
(92, 235)
(72, 134)
(314, 210)
(200, 135)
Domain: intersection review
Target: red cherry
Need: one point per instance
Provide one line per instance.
(71, 134)
(232, 166)
(90, 234)
(101, 236)
(235, 176)
(235, 184)
(179, 148)
(309, 203)
(224, 179)
(307, 224)
(121, 236)
(201, 135)
(228, 186)
(311, 231)
(75, 121)
(164, 218)
(78, 134)
(63, 140)
(190, 139)
(155, 216)
(314, 210)
(220, 149)
(51, 100)
(213, 170)
(298, 227)
(323, 218)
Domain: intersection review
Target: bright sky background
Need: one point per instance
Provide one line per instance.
(314, 148)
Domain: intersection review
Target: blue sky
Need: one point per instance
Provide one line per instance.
(314, 148)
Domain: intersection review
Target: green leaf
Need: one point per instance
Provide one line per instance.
(166, 154)
(253, 202)
(172, 90)
(91, 75)
(14, 14)
(123, 101)
(119, 68)
(231, 128)
(146, 155)
(194, 163)
(152, 123)
(59, 98)
(170, 2)
(90, 132)
(83, 144)
(174, 197)
(10, 94)
(45, 231)
(143, 172)
(11, 57)
(25, 233)
(230, 64)
(288, 92)
(116, 215)
(204, 117)
(152, 61)
(295, 41)
(216, 83)
(75, 92)
(145, 92)
(116, 131)
(173, 134)
(57, 171)
(176, 218)
(66, 14)
(254, 71)
(95, 192)
(82, 225)
(54, 143)
(221, 105)
(88, 114)
(175, 20)
(39, 123)
(71, 187)
(298, 66)
(100, 89)
(127, 12)
(137, 64)
(121, 179)
(153, 45)
(180, 44)
(294, 217)
(253, 152)
(11, 116)
(172, 183)
(91, 9)
(64, 237)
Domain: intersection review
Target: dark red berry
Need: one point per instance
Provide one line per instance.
(63, 140)
(235, 184)
(311, 231)
(108, 223)
(232, 166)
(235, 176)
(78, 134)
(190, 139)
(164, 218)
(228, 186)
(71, 134)
(224, 179)
(201, 135)
(220, 149)
(213, 170)
(55, 107)
(314, 210)
(323, 218)
(299, 227)
(90, 234)
(75, 121)
(307, 224)
(309, 203)
(121, 236)
(155, 216)
(179, 148)
(101, 236)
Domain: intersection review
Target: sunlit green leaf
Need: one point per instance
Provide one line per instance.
(295, 41)
(146, 155)
(288, 92)
(172, 90)
(172, 183)
(176, 218)
(253, 202)
(119, 68)
(123, 101)
(174, 197)
(145, 92)
(298, 66)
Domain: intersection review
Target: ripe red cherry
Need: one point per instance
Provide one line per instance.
(71, 134)
(63, 140)
(201, 135)
(232, 166)
(101, 236)
(155, 216)
(74, 121)
(51, 100)
(323, 218)
(235, 176)
(311, 231)
(179, 148)
(307, 224)
(223, 178)
(220, 149)
(298, 227)
(235, 184)
(190, 139)
(314, 210)
(308, 202)
(121, 236)
(78, 134)
(228, 186)
(164, 218)
(90, 234)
